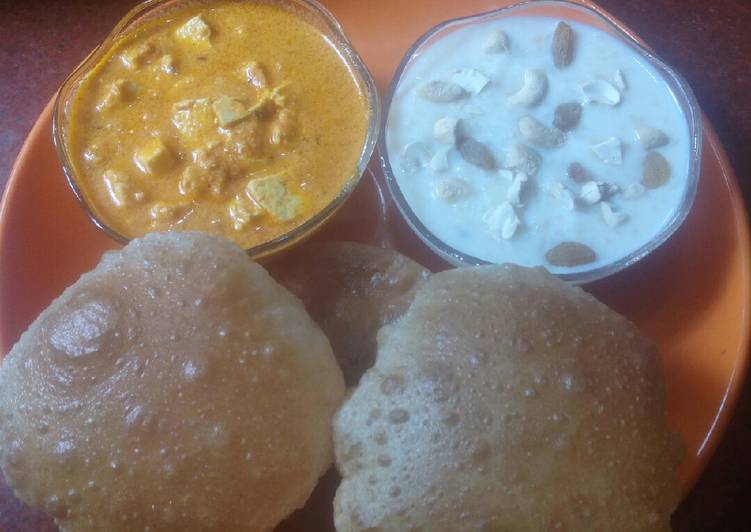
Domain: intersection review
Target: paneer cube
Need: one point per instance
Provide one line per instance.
(194, 120)
(191, 181)
(121, 189)
(154, 157)
(271, 193)
(255, 75)
(136, 57)
(242, 210)
(229, 110)
(195, 30)
(121, 91)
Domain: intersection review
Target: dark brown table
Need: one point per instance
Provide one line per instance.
(709, 42)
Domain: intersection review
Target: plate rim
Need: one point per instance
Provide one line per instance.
(733, 386)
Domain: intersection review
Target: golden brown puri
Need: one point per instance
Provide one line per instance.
(176, 386)
(351, 290)
(505, 399)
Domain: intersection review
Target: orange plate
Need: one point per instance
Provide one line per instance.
(691, 295)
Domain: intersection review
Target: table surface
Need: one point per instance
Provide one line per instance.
(709, 42)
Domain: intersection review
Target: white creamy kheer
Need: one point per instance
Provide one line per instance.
(538, 142)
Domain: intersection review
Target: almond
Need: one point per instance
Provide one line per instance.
(441, 92)
(563, 45)
(570, 254)
(656, 170)
(567, 116)
(536, 133)
(476, 153)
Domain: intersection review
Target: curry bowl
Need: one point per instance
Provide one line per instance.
(173, 124)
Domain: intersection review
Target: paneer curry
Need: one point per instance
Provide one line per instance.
(230, 117)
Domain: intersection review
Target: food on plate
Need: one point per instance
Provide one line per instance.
(510, 136)
(351, 290)
(505, 399)
(236, 118)
(175, 386)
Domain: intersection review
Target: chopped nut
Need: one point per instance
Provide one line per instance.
(445, 130)
(134, 58)
(634, 191)
(559, 192)
(439, 162)
(502, 221)
(609, 151)
(656, 171)
(507, 175)
(229, 110)
(523, 159)
(595, 191)
(415, 155)
(498, 42)
(271, 193)
(476, 153)
(611, 216)
(195, 30)
(121, 91)
(154, 157)
(563, 45)
(570, 254)
(255, 75)
(578, 174)
(567, 116)
(536, 133)
(619, 80)
(471, 80)
(650, 137)
(242, 210)
(533, 89)
(601, 92)
(441, 92)
(514, 191)
(451, 190)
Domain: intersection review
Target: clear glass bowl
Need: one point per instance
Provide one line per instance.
(315, 14)
(561, 9)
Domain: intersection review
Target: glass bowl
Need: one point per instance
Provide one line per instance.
(315, 14)
(565, 10)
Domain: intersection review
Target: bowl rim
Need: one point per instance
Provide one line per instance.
(343, 46)
(676, 83)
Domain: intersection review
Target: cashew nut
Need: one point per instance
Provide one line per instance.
(535, 132)
(533, 89)
(609, 151)
(498, 42)
(599, 91)
(523, 159)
